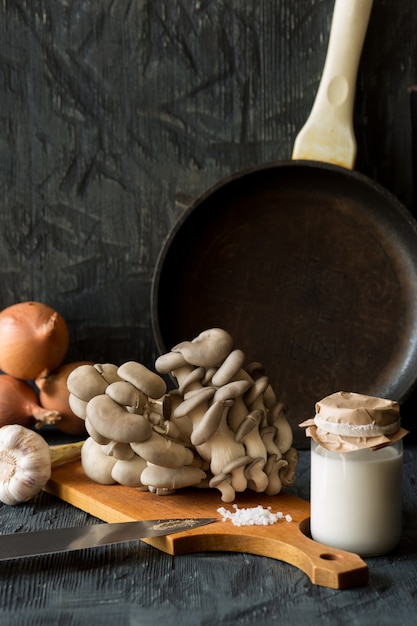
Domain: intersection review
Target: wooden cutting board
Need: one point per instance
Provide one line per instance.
(285, 541)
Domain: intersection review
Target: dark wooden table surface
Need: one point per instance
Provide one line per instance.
(138, 585)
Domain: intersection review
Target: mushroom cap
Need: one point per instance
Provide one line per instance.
(98, 437)
(169, 362)
(223, 484)
(85, 382)
(257, 478)
(126, 394)
(216, 480)
(193, 400)
(255, 369)
(142, 378)
(120, 451)
(96, 464)
(113, 421)
(161, 451)
(209, 423)
(128, 472)
(172, 478)
(278, 411)
(257, 389)
(232, 390)
(208, 376)
(268, 434)
(77, 406)
(194, 376)
(232, 364)
(108, 371)
(209, 348)
(240, 461)
(248, 423)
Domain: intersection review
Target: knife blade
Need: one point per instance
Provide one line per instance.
(53, 540)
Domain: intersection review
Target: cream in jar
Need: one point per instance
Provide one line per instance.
(356, 473)
(356, 502)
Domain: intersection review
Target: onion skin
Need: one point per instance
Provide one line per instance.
(54, 394)
(19, 404)
(33, 338)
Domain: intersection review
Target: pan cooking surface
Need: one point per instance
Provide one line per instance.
(311, 269)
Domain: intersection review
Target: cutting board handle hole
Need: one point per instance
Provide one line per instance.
(329, 556)
(304, 526)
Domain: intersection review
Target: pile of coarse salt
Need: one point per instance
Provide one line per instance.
(255, 516)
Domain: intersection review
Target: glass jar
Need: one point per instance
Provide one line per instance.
(356, 498)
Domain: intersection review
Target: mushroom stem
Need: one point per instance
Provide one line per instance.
(221, 448)
(257, 479)
(184, 424)
(272, 470)
(268, 434)
(288, 473)
(236, 470)
(256, 370)
(222, 483)
(277, 417)
(240, 421)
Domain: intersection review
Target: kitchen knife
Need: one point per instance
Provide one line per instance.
(38, 542)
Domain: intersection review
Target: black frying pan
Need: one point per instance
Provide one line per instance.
(311, 267)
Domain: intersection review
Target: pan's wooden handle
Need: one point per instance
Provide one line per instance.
(328, 134)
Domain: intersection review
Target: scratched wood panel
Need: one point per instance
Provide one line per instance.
(110, 111)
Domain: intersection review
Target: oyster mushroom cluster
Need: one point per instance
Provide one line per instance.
(222, 427)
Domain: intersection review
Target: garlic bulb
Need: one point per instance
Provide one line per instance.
(25, 464)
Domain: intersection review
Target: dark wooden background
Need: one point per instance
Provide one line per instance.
(111, 110)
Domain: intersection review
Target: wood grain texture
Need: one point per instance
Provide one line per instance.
(110, 111)
(139, 585)
(285, 540)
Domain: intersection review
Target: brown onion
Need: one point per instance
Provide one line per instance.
(54, 394)
(33, 338)
(19, 404)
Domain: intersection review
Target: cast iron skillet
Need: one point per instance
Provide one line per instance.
(311, 267)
